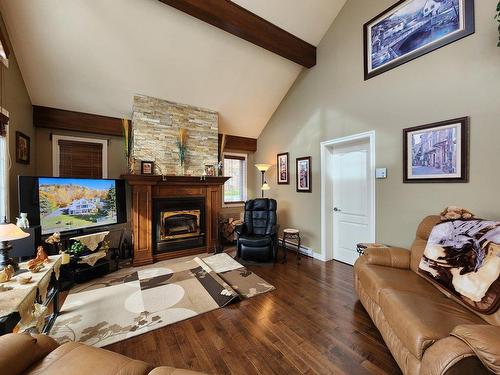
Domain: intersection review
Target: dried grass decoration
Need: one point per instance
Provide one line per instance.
(181, 145)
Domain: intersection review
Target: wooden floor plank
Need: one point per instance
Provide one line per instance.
(312, 323)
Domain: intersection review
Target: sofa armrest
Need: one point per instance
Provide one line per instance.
(484, 340)
(165, 370)
(394, 257)
(451, 356)
(18, 351)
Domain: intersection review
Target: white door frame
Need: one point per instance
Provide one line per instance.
(326, 189)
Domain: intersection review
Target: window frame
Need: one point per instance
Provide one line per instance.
(56, 152)
(245, 180)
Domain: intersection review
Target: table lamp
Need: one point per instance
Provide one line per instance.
(9, 232)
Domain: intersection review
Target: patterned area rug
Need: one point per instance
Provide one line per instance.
(133, 301)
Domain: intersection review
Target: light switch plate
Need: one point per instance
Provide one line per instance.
(381, 173)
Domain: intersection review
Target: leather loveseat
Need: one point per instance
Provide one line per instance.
(21, 353)
(426, 329)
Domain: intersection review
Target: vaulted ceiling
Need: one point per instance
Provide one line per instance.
(94, 55)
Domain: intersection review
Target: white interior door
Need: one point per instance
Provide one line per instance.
(352, 199)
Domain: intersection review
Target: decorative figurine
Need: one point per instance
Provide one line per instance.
(24, 279)
(22, 222)
(6, 274)
(41, 258)
(54, 239)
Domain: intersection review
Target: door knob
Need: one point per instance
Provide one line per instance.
(336, 209)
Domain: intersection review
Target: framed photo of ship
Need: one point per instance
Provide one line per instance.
(283, 169)
(412, 28)
(437, 152)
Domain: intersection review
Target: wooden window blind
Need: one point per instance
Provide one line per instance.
(80, 159)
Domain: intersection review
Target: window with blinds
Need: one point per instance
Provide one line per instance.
(80, 159)
(235, 189)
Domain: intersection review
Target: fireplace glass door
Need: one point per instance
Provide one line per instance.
(180, 224)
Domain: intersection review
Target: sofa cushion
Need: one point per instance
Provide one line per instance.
(420, 320)
(377, 278)
(75, 358)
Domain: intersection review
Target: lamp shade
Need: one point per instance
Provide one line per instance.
(265, 186)
(10, 232)
(263, 167)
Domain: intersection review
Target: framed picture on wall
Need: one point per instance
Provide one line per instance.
(147, 167)
(437, 152)
(303, 169)
(22, 148)
(283, 168)
(412, 28)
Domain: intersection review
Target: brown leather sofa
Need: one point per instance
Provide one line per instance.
(21, 353)
(427, 330)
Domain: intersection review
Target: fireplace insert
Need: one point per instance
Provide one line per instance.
(179, 223)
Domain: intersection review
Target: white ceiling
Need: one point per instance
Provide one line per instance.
(94, 55)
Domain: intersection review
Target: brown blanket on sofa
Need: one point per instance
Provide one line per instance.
(463, 256)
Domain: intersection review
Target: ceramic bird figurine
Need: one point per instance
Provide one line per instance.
(7, 273)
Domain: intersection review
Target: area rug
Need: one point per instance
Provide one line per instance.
(133, 301)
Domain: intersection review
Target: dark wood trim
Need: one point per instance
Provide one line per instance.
(287, 182)
(236, 143)
(308, 158)
(53, 118)
(468, 30)
(138, 179)
(7, 47)
(4, 119)
(236, 20)
(464, 172)
(234, 157)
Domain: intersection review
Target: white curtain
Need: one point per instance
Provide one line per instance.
(4, 176)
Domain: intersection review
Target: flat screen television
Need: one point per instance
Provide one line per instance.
(61, 204)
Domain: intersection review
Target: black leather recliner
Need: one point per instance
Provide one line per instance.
(258, 235)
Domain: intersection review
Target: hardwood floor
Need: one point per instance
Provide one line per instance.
(312, 323)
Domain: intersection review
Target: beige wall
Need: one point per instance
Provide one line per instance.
(332, 100)
(117, 162)
(18, 103)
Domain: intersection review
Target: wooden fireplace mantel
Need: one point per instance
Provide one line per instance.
(145, 188)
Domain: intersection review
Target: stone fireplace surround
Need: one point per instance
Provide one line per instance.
(147, 189)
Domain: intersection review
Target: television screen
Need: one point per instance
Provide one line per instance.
(74, 203)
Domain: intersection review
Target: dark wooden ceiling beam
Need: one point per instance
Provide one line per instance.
(53, 118)
(236, 143)
(244, 24)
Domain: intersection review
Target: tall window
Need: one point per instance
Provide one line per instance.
(79, 157)
(235, 189)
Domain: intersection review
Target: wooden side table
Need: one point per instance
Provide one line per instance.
(290, 234)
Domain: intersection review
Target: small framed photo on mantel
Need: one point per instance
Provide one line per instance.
(303, 169)
(283, 169)
(147, 167)
(437, 152)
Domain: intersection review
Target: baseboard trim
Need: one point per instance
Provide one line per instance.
(304, 250)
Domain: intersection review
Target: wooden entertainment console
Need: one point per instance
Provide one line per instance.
(147, 188)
